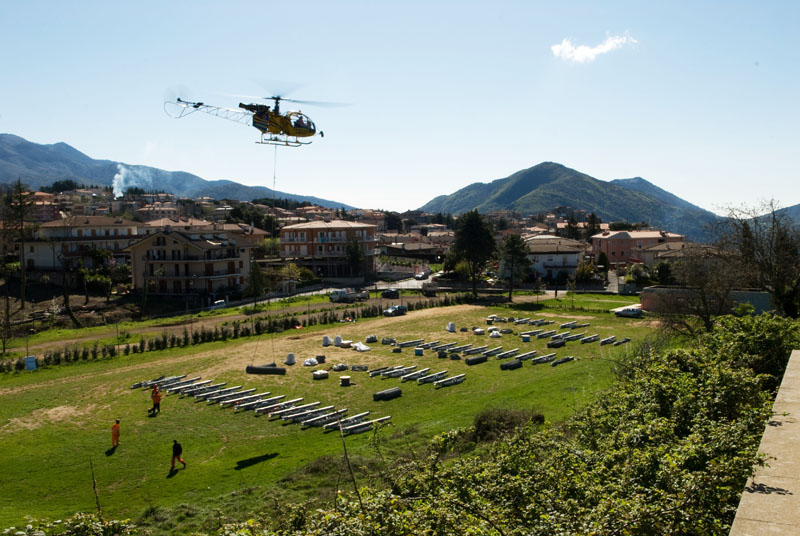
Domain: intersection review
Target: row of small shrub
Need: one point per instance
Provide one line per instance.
(223, 332)
(67, 355)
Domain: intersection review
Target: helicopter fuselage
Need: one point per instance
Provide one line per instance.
(270, 121)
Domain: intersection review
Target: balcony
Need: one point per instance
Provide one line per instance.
(195, 277)
(559, 265)
(190, 258)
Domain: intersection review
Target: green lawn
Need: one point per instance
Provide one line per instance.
(54, 422)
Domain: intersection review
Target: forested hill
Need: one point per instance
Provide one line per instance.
(548, 185)
(41, 165)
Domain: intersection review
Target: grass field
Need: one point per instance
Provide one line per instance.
(53, 422)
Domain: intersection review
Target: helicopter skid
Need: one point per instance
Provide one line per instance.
(283, 142)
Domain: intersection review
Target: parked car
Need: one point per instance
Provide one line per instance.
(390, 293)
(395, 310)
(428, 290)
(421, 276)
(219, 304)
(348, 295)
(629, 312)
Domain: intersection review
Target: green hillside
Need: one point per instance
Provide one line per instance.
(41, 165)
(548, 185)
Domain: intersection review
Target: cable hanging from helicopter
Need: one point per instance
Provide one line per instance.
(288, 129)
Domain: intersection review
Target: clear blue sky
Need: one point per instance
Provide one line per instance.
(700, 98)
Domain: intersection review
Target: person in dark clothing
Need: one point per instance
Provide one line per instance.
(177, 450)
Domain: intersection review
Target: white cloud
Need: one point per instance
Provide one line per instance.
(567, 51)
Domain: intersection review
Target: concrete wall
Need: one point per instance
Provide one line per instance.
(770, 502)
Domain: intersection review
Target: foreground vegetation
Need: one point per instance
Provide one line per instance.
(667, 451)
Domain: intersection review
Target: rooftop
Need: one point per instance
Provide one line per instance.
(328, 225)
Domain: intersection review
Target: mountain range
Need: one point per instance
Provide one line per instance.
(41, 165)
(548, 185)
(540, 188)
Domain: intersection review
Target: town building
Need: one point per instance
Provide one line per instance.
(68, 240)
(210, 264)
(553, 257)
(625, 247)
(322, 246)
(157, 211)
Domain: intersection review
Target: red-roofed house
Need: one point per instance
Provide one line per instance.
(625, 247)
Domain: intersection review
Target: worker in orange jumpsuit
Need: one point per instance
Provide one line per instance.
(156, 397)
(115, 434)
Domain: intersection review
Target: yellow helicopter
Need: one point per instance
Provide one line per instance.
(289, 129)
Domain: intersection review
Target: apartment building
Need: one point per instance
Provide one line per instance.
(206, 263)
(624, 247)
(65, 241)
(322, 246)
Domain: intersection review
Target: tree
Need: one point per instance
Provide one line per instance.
(444, 219)
(290, 272)
(256, 283)
(592, 227)
(150, 281)
(269, 247)
(663, 272)
(355, 257)
(515, 262)
(62, 186)
(101, 282)
(638, 274)
(572, 231)
(84, 274)
(474, 244)
(571, 284)
(602, 262)
(584, 271)
(250, 215)
(19, 206)
(766, 243)
(393, 221)
(705, 277)
(6, 237)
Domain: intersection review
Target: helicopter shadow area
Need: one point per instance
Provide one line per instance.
(243, 464)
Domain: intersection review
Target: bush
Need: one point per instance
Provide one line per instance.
(492, 424)
(666, 451)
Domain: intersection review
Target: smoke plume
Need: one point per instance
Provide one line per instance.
(128, 177)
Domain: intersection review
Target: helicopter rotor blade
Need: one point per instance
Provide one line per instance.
(251, 97)
(284, 99)
(328, 104)
(175, 91)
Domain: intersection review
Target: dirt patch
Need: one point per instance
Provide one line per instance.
(573, 317)
(40, 417)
